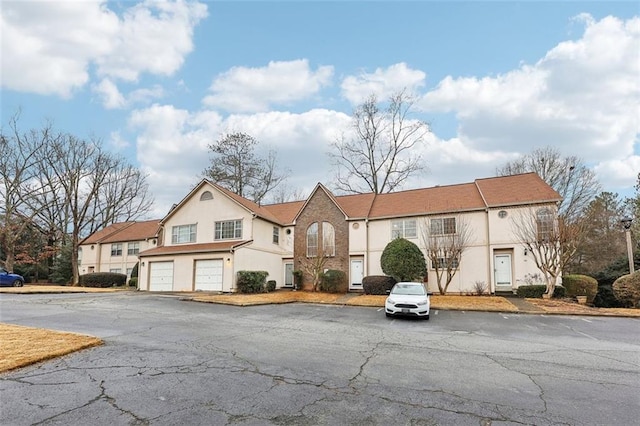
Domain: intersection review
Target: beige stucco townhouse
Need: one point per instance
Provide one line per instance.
(116, 247)
(213, 233)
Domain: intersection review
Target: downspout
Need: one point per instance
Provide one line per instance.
(366, 246)
(492, 289)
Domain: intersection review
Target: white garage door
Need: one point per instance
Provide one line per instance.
(161, 276)
(209, 275)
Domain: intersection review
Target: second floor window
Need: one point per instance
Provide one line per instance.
(116, 249)
(183, 234)
(228, 230)
(312, 240)
(276, 235)
(544, 225)
(328, 239)
(133, 248)
(445, 263)
(403, 229)
(444, 226)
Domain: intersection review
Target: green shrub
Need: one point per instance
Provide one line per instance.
(271, 285)
(252, 281)
(536, 291)
(627, 290)
(134, 271)
(606, 298)
(133, 282)
(403, 260)
(580, 285)
(377, 284)
(298, 277)
(334, 281)
(102, 279)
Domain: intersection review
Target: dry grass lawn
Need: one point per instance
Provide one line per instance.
(22, 346)
(276, 297)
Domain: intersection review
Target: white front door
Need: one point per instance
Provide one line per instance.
(208, 275)
(288, 274)
(502, 269)
(160, 276)
(355, 281)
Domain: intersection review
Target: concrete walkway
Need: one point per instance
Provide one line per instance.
(523, 305)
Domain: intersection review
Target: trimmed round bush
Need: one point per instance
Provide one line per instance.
(627, 290)
(377, 284)
(334, 281)
(580, 285)
(271, 285)
(252, 281)
(403, 260)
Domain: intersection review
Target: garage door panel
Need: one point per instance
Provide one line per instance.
(208, 275)
(161, 276)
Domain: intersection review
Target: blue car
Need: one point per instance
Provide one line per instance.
(10, 280)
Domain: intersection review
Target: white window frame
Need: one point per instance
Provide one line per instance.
(404, 228)
(133, 248)
(276, 235)
(312, 240)
(443, 226)
(328, 239)
(116, 249)
(442, 263)
(183, 234)
(222, 227)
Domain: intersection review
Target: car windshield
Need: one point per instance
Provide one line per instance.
(408, 289)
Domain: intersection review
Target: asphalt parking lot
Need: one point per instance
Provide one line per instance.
(167, 361)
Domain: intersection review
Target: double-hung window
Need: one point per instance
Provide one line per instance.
(444, 261)
(228, 230)
(405, 228)
(276, 235)
(183, 234)
(116, 249)
(544, 224)
(133, 248)
(443, 226)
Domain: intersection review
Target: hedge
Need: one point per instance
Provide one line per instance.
(102, 279)
(252, 281)
(271, 285)
(627, 290)
(334, 281)
(378, 284)
(536, 291)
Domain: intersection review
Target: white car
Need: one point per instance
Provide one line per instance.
(408, 299)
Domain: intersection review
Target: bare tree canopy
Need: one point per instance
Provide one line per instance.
(445, 239)
(381, 155)
(576, 184)
(236, 167)
(67, 187)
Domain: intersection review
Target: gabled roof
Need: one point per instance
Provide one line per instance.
(124, 231)
(321, 187)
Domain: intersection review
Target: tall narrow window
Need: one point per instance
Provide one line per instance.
(276, 235)
(312, 240)
(328, 239)
(544, 223)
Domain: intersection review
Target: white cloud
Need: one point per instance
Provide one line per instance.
(619, 173)
(243, 89)
(174, 142)
(382, 83)
(583, 97)
(50, 48)
(109, 94)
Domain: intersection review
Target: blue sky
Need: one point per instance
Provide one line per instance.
(158, 81)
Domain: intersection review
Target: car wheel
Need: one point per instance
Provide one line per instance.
(17, 283)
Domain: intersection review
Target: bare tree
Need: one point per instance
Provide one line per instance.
(551, 240)
(18, 170)
(576, 184)
(92, 189)
(381, 155)
(445, 239)
(236, 167)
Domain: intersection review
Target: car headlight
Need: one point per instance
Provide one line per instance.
(422, 302)
(390, 301)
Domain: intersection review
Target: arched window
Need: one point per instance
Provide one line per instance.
(312, 240)
(544, 224)
(328, 239)
(206, 195)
